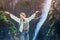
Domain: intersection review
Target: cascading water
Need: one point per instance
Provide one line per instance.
(43, 17)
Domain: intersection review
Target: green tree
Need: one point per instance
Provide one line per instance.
(6, 23)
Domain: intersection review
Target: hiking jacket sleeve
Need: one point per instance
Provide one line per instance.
(15, 18)
(31, 17)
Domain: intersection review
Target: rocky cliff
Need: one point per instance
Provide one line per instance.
(29, 7)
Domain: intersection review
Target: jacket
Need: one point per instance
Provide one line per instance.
(20, 21)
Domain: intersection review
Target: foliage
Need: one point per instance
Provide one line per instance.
(6, 23)
(54, 24)
(51, 27)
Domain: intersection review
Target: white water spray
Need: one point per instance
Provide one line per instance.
(43, 17)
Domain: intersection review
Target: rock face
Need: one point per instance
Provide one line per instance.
(27, 6)
(55, 14)
(23, 5)
(57, 5)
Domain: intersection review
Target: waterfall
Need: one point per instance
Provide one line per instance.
(43, 17)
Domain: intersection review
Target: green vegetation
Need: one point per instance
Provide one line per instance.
(54, 23)
(51, 27)
(6, 23)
